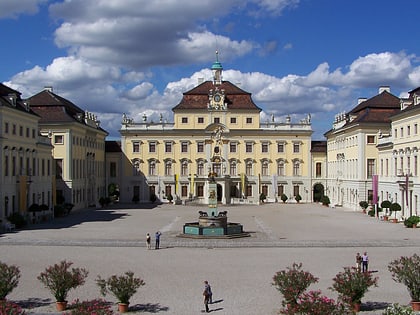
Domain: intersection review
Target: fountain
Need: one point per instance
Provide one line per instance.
(213, 223)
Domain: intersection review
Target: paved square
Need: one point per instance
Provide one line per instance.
(112, 240)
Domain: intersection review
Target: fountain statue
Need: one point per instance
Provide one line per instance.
(213, 223)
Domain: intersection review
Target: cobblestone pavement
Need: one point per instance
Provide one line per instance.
(112, 240)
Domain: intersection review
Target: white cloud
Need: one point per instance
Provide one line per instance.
(13, 8)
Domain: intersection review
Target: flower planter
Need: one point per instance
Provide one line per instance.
(385, 218)
(122, 307)
(415, 306)
(356, 307)
(61, 306)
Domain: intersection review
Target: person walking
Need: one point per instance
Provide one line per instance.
(148, 240)
(365, 262)
(157, 238)
(206, 294)
(210, 292)
(358, 262)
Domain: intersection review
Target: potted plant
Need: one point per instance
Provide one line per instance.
(263, 197)
(394, 208)
(60, 279)
(292, 283)
(10, 308)
(325, 200)
(364, 205)
(406, 270)
(123, 287)
(411, 222)
(351, 285)
(9, 279)
(170, 198)
(283, 198)
(396, 309)
(298, 198)
(386, 204)
(89, 307)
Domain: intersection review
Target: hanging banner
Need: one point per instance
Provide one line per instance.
(375, 189)
(406, 190)
(192, 185)
(243, 184)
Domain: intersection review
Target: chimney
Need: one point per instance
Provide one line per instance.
(361, 100)
(48, 88)
(384, 88)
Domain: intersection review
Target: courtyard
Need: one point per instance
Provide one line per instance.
(112, 240)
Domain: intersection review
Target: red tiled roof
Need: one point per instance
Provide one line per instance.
(112, 146)
(383, 100)
(319, 146)
(198, 97)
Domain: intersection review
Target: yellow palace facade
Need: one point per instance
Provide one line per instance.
(216, 133)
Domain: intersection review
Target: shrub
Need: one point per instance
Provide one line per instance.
(413, 220)
(325, 200)
(59, 279)
(17, 219)
(363, 204)
(298, 198)
(10, 308)
(283, 197)
(292, 283)
(95, 307)
(386, 204)
(170, 197)
(371, 213)
(9, 279)
(122, 287)
(262, 197)
(406, 270)
(351, 285)
(396, 309)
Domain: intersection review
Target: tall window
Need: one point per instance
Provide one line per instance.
(200, 190)
(232, 147)
(370, 168)
(248, 168)
(296, 190)
(200, 168)
(233, 168)
(113, 169)
(280, 147)
(280, 168)
(6, 165)
(184, 191)
(136, 168)
(59, 168)
(318, 169)
(264, 190)
(136, 147)
(200, 147)
(264, 168)
(184, 168)
(415, 165)
(296, 168)
(296, 147)
(249, 190)
(152, 168)
(280, 190)
(168, 168)
(13, 165)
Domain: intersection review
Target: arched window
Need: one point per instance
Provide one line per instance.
(280, 168)
(152, 167)
(168, 168)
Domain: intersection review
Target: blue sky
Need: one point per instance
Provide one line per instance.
(137, 57)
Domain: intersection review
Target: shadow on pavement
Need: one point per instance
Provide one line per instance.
(149, 307)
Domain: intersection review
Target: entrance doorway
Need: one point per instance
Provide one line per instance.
(318, 192)
(219, 192)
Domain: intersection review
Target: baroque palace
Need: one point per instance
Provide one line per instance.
(53, 151)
